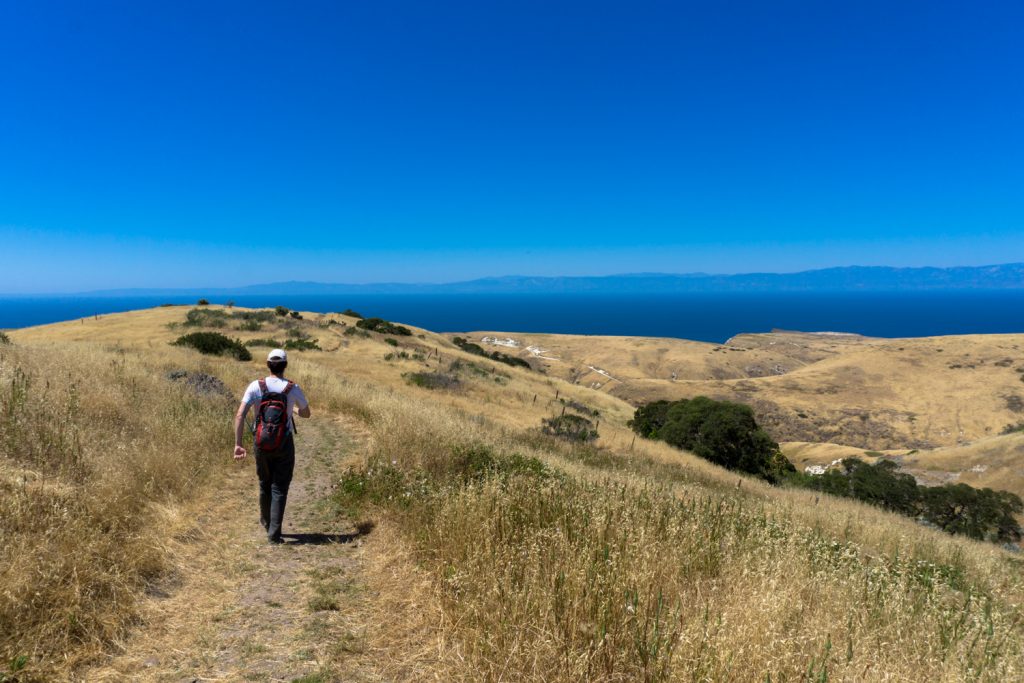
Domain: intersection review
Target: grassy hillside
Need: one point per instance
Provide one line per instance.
(520, 556)
(937, 396)
(870, 393)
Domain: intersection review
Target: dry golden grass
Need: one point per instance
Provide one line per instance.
(871, 393)
(656, 566)
(632, 560)
(95, 445)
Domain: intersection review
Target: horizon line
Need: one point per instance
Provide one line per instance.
(652, 274)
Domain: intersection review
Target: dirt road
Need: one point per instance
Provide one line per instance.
(236, 608)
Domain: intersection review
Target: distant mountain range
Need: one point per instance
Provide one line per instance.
(852, 278)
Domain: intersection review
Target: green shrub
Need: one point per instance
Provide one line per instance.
(569, 427)
(477, 350)
(459, 365)
(580, 407)
(723, 432)
(383, 327)
(202, 302)
(215, 344)
(352, 314)
(250, 326)
(262, 316)
(302, 345)
(356, 332)
(391, 342)
(469, 347)
(470, 464)
(281, 311)
(205, 317)
(4, 339)
(433, 380)
(269, 343)
(296, 315)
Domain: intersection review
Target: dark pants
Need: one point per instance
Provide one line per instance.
(275, 473)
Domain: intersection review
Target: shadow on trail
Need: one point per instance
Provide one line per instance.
(318, 539)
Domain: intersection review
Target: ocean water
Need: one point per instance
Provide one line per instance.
(704, 317)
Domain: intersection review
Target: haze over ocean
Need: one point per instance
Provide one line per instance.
(702, 317)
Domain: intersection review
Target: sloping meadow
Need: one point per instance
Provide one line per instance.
(560, 562)
(98, 450)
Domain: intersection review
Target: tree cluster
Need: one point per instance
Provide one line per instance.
(723, 432)
(983, 514)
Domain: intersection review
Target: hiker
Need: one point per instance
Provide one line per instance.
(274, 399)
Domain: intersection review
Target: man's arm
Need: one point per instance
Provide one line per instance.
(243, 409)
(301, 403)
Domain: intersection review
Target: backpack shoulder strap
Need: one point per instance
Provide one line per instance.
(263, 386)
(288, 387)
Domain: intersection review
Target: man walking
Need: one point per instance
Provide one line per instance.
(274, 398)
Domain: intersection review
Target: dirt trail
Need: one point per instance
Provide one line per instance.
(236, 608)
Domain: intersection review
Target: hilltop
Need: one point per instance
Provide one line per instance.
(459, 539)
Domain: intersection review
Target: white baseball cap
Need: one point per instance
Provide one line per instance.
(278, 354)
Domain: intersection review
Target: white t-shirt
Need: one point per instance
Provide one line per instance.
(253, 395)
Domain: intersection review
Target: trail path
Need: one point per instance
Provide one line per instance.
(239, 609)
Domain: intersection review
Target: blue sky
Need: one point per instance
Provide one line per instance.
(220, 143)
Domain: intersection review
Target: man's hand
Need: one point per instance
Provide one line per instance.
(243, 408)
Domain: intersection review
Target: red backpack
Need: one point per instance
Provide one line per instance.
(271, 418)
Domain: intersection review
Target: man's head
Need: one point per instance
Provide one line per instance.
(277, 361)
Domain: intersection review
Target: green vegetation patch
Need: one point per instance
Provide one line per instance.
(433, 380)
(722, 432)
(356, 332)
(214, 344)
(477, 350)
(302, 345)
(570, 427)
(383, 327)
(268, 343)
(262, 315)
(580, 407)
(206, 317)
(217, 318)
(982, 514)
